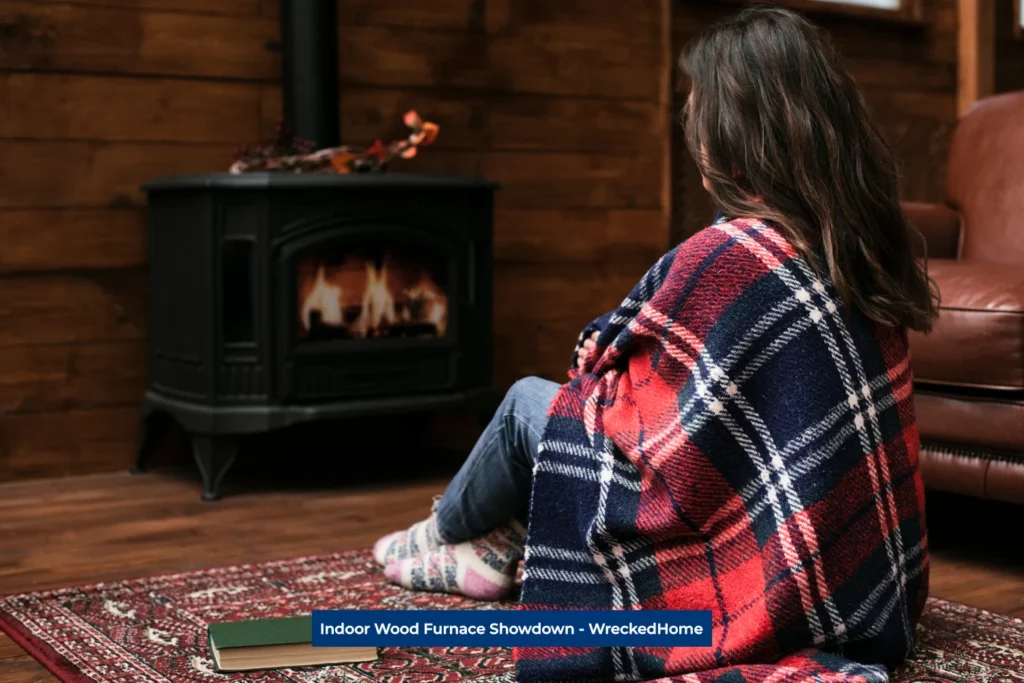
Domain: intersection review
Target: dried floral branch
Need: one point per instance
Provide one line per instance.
(286, 153)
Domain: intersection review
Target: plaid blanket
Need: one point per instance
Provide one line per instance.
(741, 442)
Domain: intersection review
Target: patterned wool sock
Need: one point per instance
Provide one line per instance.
(420, 538)
(482, 569)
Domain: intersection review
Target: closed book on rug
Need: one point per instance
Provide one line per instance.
(275, 644)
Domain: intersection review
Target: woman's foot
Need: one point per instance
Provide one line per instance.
(420, 538)
(482, 569)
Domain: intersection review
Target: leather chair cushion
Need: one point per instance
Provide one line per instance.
(978, 339)
(972, 445)
(978, 424)
(972, 474)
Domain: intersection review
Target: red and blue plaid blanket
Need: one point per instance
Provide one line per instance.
(742, 442)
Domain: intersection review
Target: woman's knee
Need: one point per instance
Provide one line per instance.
(528, 389)
(529, 398)
(527, 384)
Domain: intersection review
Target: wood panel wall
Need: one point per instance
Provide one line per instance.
(564, 103)
(561, 102)
(908, 75)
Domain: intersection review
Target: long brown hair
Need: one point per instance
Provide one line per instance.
(781, 132)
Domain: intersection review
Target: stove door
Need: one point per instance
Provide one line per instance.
(368, 310)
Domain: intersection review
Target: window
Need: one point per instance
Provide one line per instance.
(894, 10)
(877, 4)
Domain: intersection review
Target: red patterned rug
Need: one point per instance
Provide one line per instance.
(153, 629)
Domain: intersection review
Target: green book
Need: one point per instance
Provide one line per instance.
(275, 644)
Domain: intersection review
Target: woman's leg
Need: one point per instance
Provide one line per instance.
(471, 545)
(493, 485)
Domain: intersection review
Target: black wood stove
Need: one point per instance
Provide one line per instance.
(277, 299)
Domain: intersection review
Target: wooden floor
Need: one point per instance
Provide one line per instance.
(106, 527)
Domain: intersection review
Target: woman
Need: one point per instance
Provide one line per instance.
(739, 435)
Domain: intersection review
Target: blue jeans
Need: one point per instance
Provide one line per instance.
(493, 485)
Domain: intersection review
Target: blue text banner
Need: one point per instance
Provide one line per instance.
(511, 628)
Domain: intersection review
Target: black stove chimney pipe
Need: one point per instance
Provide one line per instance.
(309, 70)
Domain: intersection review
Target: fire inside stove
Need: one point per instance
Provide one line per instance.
(370, 296)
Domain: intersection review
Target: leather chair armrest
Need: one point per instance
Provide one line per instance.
(940, 226)
(973, 286)
(978, 338)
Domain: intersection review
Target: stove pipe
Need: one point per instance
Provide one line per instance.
(309, 70)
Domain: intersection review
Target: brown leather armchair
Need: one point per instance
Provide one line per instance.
(969, 371)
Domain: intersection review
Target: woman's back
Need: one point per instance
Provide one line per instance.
(745, 444)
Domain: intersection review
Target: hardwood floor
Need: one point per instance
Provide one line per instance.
(107, 527)
(977, 552)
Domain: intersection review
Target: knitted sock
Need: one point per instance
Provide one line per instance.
(421, 537)
(482, 569)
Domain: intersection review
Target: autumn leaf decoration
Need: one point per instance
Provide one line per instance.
(290, 154)
(377, 153)
(423, 133)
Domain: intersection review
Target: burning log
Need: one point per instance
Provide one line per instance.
(377, 306)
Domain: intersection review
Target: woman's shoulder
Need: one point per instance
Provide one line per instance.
(727, 256)
(747, 237)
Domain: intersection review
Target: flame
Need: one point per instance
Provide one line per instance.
(434, 302)
(378, 304)
(325, 299)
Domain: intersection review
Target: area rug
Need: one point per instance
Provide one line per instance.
(152, 630)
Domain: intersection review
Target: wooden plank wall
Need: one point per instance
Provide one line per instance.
(907, 74)
(561, 102)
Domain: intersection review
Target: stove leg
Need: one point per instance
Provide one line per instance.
(150, 430)
(214, 455)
